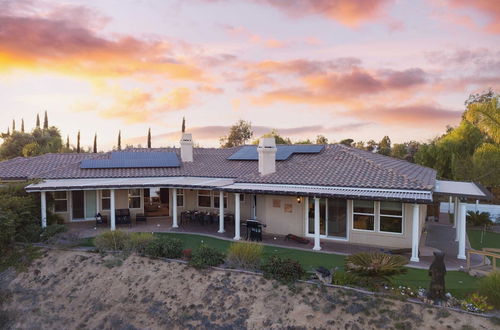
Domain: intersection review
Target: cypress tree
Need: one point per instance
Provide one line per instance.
(46, 121)
(95, 143)
(13, 125)
(183, 129)
(37, 121)
(119, 140)
(8, 131)
(67, 142)
(78, 142)
(149, 138)
(22, 125)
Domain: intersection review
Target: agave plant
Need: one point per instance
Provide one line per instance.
(375, 267)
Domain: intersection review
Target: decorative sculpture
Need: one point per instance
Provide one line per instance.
(437, 271)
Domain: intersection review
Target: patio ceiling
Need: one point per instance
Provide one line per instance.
(126, 183)
(461, 189)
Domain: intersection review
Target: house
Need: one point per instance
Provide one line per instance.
(325, 192)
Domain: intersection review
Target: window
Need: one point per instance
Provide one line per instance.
(242, 198)
(60, 201)
(180, 197)
(204, 198)
(391, 217)
(106, 199)
(216, 200)
(363, 215)
(134, 198)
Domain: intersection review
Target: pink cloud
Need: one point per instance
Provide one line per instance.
(489, 8)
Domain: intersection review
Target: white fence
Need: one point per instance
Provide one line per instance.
(493, 210)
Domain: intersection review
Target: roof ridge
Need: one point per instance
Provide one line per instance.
(354, 152)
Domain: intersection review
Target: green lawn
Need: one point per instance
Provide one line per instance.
(490, 239)
(458, 283)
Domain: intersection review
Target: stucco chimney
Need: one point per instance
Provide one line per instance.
(187, 147)
(267, 155)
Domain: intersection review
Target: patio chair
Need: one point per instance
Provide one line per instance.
(122, 217)
(100, 219)
(207, 218)
(254, 230)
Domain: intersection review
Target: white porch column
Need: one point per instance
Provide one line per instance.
(43, 200)
(237, 236)
(174, 208)
(221, 211)
(449, 205)
(462, 225)
(456, 219)
(415, 233)
(317, 246)
(112, 209)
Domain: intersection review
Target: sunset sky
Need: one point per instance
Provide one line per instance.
(342, 68)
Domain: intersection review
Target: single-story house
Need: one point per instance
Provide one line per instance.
(325, 192)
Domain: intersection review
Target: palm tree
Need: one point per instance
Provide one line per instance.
(486, 117)
(37, 121)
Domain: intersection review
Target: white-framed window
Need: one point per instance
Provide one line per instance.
(216, 200)
(391, 217)
(134, 198)
(60, 201)
(363, 215)
(180, 197)
(204, 198)
(106, 199)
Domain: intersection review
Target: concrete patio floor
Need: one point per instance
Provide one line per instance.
(439, 236)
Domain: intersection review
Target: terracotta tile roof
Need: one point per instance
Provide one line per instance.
(336, 165)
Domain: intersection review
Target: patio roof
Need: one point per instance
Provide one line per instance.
(461, 189)
(413, 196)
(125, 183)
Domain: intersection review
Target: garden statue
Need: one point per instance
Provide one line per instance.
(437, 271)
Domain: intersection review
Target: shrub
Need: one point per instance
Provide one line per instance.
(187, 254)
(375, 268)
(489, 286)
(138, 242)
(206, 256)
(111, 241)
(476, 303)
(283, 270)
(244, 255)
(478, 218)
(343, 278)
(52, 230)
(164, 247)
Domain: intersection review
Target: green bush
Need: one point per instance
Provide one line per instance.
(112, 241)
(138, 242)
(283, 270)
(478, 218)
(206, 256)
(164, 247)
(52, 230)
(7, 230)
(489, 286)
(376, 268)
(244, 255)
(346, 279)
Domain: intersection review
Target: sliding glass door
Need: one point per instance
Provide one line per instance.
(332, 217)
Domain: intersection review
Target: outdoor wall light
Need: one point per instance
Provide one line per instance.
(299, 199)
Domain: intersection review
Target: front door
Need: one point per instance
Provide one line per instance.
(78, 204)
(322, 216)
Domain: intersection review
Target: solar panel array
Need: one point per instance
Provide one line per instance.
(124, 159)
(283, 153)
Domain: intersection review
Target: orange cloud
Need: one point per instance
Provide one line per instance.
(254, 38)
(489, 8)
(68, 44)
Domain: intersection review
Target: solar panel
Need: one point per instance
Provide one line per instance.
(124, 159)
(283, 153)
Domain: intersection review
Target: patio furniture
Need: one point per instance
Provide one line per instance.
(122, 217)
(100, 219)
(254, 230)
(141, 218)
(296, 238)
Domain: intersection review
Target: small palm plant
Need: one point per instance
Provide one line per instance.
(478, 218)
(375, 268)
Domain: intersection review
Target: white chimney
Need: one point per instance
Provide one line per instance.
(187, 147)
(267, 156)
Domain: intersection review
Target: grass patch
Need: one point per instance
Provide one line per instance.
(20, 257)
(490, 239)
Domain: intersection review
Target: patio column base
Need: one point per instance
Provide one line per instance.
(414, 259)
(317, 248)
(221, 231)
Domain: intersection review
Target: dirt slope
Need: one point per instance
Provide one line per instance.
(71, 290)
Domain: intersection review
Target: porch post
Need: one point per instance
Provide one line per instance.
(112, 209)
(43, 200)
(415, 234)
(456, 219)
(317, 245)
(449, 207)
(461, 240)
(221, 212)
(174, 208)
(237, 236)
